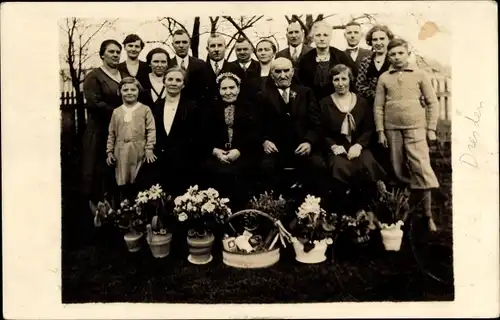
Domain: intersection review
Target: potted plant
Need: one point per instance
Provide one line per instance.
(202, 211)
(154, 202)
(251, 235)
(128, 218)
(391, 210)
(313, 231)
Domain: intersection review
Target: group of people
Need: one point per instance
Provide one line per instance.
(341, 120)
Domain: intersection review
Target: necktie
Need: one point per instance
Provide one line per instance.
(352, 52)
(217, 70)
(183, 66)
(295, 55)
(284, 96)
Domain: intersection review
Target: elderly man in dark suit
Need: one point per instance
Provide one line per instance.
(216, 65)
(353, 35)
(288, 117)
(296, 47)
(196, 85)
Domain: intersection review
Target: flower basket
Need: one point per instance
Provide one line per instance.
(392, 236)
(133, 241)
(316, 255)
(249, 251)
(200, 247)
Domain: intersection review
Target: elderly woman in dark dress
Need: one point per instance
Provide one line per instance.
(230, 141)
(347, 124)
(101, 92)
(314, 66)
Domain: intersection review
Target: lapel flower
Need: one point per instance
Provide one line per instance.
(293, 95)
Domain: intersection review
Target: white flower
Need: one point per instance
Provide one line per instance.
(142, 197)
(178, 201)
(212, 193)
(183, 217)
(301, 214)
(190, 206)
(224, 200)
(192, 189)
(208, 207)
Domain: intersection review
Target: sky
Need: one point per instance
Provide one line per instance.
(405, 25)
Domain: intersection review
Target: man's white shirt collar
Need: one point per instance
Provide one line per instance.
(220, 63)
(298, 48)
(185, 59)
(246, 64)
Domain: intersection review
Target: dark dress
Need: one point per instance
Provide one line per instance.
(366, 85)
(232, 180)
(308, 68)
(360, 173)
(146, 96)
(101, 94)
(176, 152)
(142, 72)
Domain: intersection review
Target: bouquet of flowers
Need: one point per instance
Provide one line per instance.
(314, 223)
(154, 203)
(392, 208)
(358, 228)
(126, 217)
(202, 210)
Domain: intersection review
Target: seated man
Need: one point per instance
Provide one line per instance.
(288, 120)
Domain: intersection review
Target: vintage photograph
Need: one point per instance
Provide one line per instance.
(269, 158)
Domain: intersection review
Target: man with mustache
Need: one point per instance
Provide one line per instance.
(296, 47)
(249, 67)
(196, 70)
(133, 67)
(288, 119)
(353, 35)
(216, 64)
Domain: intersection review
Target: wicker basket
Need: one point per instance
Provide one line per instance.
(251, 260)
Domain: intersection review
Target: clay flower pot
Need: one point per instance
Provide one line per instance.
(159, 243)
(316, 255)
(200, 247)
(133, 241)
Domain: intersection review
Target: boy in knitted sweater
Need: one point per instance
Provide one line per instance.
(404, 125)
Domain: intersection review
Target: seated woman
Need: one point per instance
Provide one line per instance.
(230, 141)
(347, 125)
(176, 119)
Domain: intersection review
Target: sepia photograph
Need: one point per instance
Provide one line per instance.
(249, 160)
(256, 159)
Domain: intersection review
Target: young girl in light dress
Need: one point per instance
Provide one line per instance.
(131, 138)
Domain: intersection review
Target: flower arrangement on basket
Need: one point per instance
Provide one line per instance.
(391, 210)
(203, 211)
(258, 228)
(154, 202)
(313, 231)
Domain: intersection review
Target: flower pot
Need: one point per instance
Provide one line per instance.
(316, 255)
(160, 244)
(200, 249)
(133, 241)
(392, 238)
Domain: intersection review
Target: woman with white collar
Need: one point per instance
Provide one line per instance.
(347, 125)
(176, 119)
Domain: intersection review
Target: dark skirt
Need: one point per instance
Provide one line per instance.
(355, 172)
(97, 177)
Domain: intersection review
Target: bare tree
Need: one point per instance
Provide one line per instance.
(240, 30)
(79, 34)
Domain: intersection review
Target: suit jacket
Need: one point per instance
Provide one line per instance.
(142, 73)
(196, 85)
(362, 53)
(183, 140)
(212, 88)
(252, 82)
(288, 124)
(308, 66)
(285, 53)
(245, 133)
